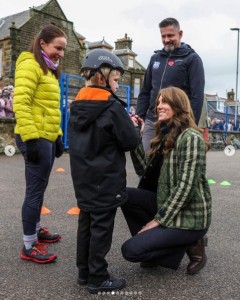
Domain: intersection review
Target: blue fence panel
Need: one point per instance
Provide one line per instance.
(68, 88)
(70, 85)
(124, 93)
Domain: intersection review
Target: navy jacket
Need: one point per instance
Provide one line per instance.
(183, 68)
(100, 132)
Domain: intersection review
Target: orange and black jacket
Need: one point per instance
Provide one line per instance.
(100, 132)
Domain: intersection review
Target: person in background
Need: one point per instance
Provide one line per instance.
(229, 126)
(132, 111)
(100, 132)
(2, 106)
(169, 213)
(38, 132)
(7, 96)
(177, 64)
(218, 124)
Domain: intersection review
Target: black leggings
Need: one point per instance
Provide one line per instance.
(37, 176)
(165, 246)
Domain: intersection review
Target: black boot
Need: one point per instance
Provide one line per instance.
(197, 256)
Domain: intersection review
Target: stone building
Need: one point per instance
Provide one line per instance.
(223, 108)
(134, 71)
(17, 31)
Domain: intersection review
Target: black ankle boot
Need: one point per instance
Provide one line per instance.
(197, 256)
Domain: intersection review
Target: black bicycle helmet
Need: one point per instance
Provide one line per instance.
(97, 58)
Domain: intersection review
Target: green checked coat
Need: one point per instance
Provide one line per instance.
(183, 194)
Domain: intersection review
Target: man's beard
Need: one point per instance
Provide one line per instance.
(169, 48)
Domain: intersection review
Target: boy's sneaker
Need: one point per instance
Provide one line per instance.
(45, 236)
(38, 253)
(111, 284)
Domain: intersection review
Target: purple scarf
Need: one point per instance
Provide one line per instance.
(51, 65)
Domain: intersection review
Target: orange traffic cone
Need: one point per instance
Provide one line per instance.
(45, 211)
(73, 211)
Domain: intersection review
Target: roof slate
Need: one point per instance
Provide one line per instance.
(19, 20)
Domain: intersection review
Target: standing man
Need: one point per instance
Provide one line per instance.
(177, 64)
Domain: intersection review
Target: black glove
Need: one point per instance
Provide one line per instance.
(59, 147)
(32, 151)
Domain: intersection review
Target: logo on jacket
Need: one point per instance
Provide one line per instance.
(156, 64)
(171, 63)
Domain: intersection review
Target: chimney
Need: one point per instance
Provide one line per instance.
(230, 96)
(124, 43)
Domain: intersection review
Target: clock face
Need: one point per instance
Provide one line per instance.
(229, 150)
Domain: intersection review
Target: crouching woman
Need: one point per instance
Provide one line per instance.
(169, 213)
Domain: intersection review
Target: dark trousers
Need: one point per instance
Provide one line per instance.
(37, 177)
(165, 246)
(94, 239)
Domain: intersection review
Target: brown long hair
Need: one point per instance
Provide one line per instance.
(182, 119)
(48, 33)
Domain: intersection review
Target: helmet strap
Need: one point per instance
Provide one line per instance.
(106, 79)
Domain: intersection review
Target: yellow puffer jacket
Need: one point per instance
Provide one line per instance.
(36, 101)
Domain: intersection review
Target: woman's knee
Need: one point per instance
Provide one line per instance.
(130, 251)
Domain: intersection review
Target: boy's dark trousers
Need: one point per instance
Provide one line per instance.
(94, 239)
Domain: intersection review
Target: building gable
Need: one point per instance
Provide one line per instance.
(23, 29)
(53, 8)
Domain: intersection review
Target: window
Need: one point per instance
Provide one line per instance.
(0, 62)
(220, 106)
(131, 62)
(136, 87)
(1, 23)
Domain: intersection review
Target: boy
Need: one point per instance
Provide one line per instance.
(100, 131)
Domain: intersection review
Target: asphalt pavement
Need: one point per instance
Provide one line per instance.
(19, 279)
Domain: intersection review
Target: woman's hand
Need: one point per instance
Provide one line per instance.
(59, 149)
(149, 225)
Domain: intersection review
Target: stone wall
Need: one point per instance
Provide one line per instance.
(7, 136)
(6, 78)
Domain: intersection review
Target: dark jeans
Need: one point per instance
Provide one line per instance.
(94, 239)
(37, 176)
(165, 246)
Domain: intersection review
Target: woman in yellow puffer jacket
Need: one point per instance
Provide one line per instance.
(38, 132)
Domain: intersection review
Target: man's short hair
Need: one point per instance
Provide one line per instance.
(169, 22)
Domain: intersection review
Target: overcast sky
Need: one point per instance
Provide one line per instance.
(205, 23)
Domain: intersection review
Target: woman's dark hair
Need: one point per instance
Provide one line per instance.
(48, 33)
(182, 119)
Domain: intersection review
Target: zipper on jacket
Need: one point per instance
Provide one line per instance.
(164, 70)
